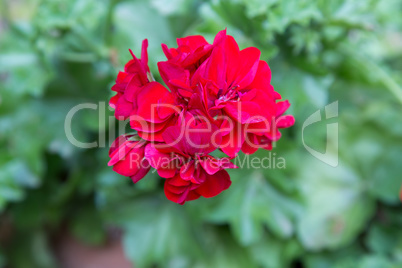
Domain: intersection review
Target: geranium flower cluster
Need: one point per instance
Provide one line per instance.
(217, 97)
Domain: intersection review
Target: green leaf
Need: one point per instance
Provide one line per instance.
(386, 180)
(384, 237)
(273, 253)
(172, 7)
(2, 260)
(317, 89)
(337, 211)
(220, 249)
(157, 232)
(156, 30)
(252, 204)
(258, 7)
(374, 261)
(87, 225)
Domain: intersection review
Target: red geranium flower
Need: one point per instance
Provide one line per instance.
(157, 110)
(182, 62)
(128, 83)
(189, 54)
(217, 97)
(138, 97)
(127, 157)
(237, 85)
(185, 162)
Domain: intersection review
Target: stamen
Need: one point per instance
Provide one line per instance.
(219, 92)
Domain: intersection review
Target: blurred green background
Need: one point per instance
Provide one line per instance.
(56, 54)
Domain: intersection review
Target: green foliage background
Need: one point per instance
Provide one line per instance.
(56, 54)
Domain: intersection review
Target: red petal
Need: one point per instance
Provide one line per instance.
(220, 36)
(123, 108)
(142, 172)
(187, 170)
(249, 95)
(267, 147)
(281, 107)
(151, 131)
(248, 60)
(177, 190)
(154, 137)
(169, 194)
(132, 88)
(262, 78)
(192, 41)
(134, 66)
(120, 152)
(232, 57)
(285, 121)
(156, 158)
(277, 96)
(225, 163)
(242, 111)
(144, 54)
(211, 166)
(232, 142)
(166, 51)
(114, 100)
(122, 80)
(130, 165)
(123, 77)
(148, 101)
(214, 184)
(145, 126)
(117, 143)
(273, 135)
(167, 107)
(192, 195)
(170, 71)
(167, 172)
(177, 194)
(197, 57)
(178, 181)
(249, 146)
(192, 140)
(174, 137)
(216, 67)
(267, 104)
